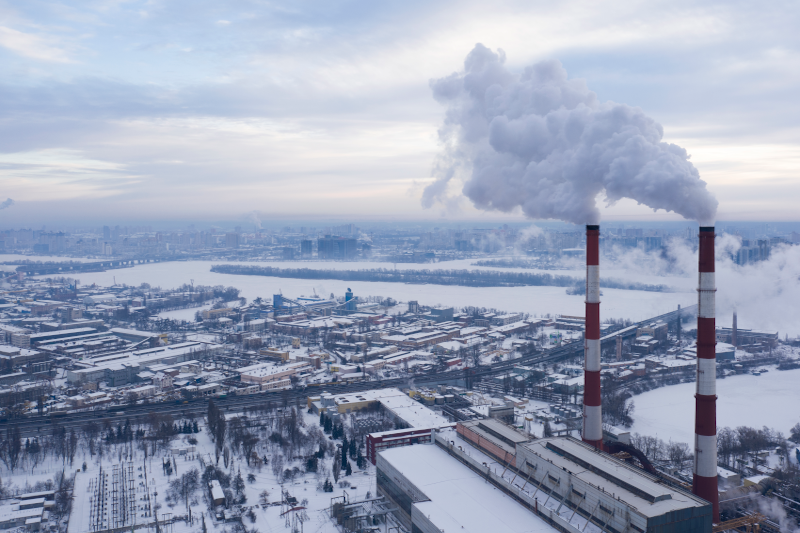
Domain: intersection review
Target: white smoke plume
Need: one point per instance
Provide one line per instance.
(252, 218)
(543, 143)
(528, 237)
(773, 510)
(8, 203)
(764, 293)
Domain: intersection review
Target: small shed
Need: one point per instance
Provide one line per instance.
(217, 496)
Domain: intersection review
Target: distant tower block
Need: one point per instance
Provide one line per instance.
(619, 347)
(592, 415)
(704, 480)
(734, 332)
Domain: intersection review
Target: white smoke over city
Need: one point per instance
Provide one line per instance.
(764, 293)
(7, 203)
(252, 218)
(543, 143)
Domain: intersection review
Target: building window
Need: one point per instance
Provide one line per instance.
(554, 479)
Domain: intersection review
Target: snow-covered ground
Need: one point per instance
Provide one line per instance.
(772, 400)
(184, 314)
(634, 305)
(149, 477)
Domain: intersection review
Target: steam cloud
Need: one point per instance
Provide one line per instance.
(765, 293)
(252, 218)
(542, 142)
(8, 203)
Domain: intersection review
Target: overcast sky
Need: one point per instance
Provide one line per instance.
(135, 110)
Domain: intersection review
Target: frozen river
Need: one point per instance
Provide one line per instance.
(772, 400)
(635, 305)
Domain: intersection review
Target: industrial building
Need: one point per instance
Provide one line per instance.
(434, 492)
(493, 437)
(267, 372)
(405, 410)
(383, 440)
(122, 368)
(29, 511)
(559, 483)
(615, 495)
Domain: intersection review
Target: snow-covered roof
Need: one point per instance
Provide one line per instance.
(459, 499)
(267, 369)
(648, 495)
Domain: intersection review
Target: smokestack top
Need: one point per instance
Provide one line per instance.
(593, 249)
(706, 251)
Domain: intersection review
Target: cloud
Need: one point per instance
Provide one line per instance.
(31, 46)
(336, 99)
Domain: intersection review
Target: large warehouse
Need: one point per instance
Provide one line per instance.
(434, 492)
(617, 496)
(559, 484)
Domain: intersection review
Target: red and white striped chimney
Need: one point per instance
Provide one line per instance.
(704, 480)
(592, 415)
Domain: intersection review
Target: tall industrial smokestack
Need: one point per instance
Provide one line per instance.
(704, 480)
(592, 415)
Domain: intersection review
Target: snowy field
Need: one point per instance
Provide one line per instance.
(634, 305)
(150, 477)
(772, 400)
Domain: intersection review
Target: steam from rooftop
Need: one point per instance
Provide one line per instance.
(542, 142)
(8, 203)
(252, 218)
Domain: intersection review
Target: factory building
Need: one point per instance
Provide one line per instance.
(122, 368)
(262, 373)
(434, 492)
(406, 411)
(617, 496)
(560, 484)
(383, 440)
(493, 437)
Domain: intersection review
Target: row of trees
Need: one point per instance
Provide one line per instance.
(469, 278)
(659, 451)
(217, 426)
(736, 447)
(63, 444)
(743, 444)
